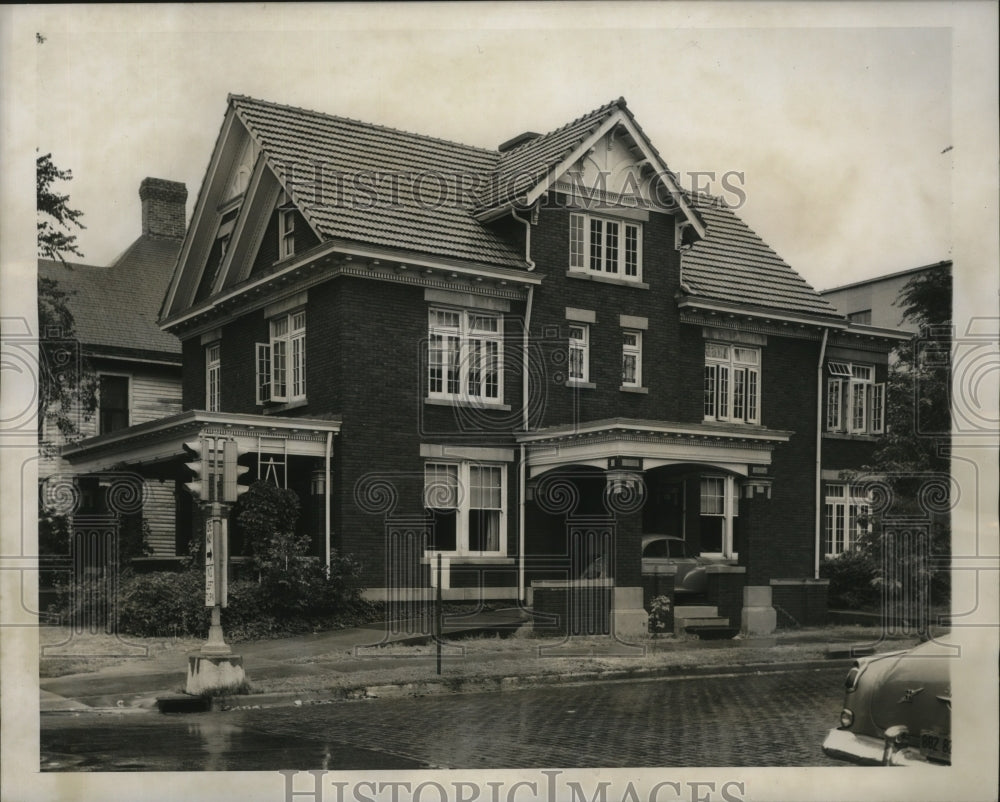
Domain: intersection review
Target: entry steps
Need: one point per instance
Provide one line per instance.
(703, 621)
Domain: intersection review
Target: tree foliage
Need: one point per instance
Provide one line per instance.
(55, 215)
(67, 385)
(913, 456)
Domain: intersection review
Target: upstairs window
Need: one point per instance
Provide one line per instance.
(855, 402)
(286, 232)
(578, 358)
(631, 358)
(213, 365)
(281, 362)
(732, 383)
(465, 355)
(113, 406)
(602, 245)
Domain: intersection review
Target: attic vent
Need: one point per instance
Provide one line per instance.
(517, 141)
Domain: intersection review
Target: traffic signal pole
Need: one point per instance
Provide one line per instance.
(214, 668)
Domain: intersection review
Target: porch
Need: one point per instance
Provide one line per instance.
(604, 501)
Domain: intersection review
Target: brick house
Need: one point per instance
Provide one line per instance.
(519, 359)
(137, 365)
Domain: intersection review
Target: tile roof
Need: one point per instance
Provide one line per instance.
(733, 264)
(115, 308)
(525, 166)
(407, 208)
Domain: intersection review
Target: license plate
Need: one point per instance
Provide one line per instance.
(935, 746)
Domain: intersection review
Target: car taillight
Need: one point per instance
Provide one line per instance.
(846, 718)
(851, 682)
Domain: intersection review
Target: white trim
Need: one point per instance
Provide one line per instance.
(211, 336)
(663, 174)
(657, 427)
(199, 210)
(372, 256)
(697, 304)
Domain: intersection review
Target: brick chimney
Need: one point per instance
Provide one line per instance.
(163, 205)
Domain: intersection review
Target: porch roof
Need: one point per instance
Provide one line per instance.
(163, 439)
(731, 446)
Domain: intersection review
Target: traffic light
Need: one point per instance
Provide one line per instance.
(201, 486)
(232, 471)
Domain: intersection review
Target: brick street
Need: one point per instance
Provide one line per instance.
(744, 720)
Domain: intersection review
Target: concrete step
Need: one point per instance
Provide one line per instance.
(713, 632)
(701, 621)
(695, 611)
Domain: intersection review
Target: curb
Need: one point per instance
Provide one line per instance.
(509, 683)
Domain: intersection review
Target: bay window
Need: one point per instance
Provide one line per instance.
(732, 383)
(467, 504)
(603, 245)
(465, 355)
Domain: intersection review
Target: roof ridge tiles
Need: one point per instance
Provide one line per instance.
(341, 118)
(619, 102)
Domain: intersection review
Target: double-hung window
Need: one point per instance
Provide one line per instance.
(281, 362)
(631, 358)
(578, 356)
(286, 232)
(719, 519)
(467, 504)
(855, 402)
(732, 383)
(213, 367)
(603, 245)
(847, 511)
(465, 355)
(113, 403)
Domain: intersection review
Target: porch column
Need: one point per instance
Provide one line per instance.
(625, 502)
(758, 616)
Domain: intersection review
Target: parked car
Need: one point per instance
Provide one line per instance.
(897, 709)
(664, 552)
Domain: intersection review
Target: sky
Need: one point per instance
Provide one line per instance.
(842, 132)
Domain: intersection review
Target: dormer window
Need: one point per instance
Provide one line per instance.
(606, 246)
(286, 232)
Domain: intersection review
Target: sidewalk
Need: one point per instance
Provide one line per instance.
(374, 661)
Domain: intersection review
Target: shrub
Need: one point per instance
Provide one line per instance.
(661, 617)
(163, 604)
(853, 579)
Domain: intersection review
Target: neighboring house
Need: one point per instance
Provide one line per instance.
(873, 301)
(518, 360)
(138, 365)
